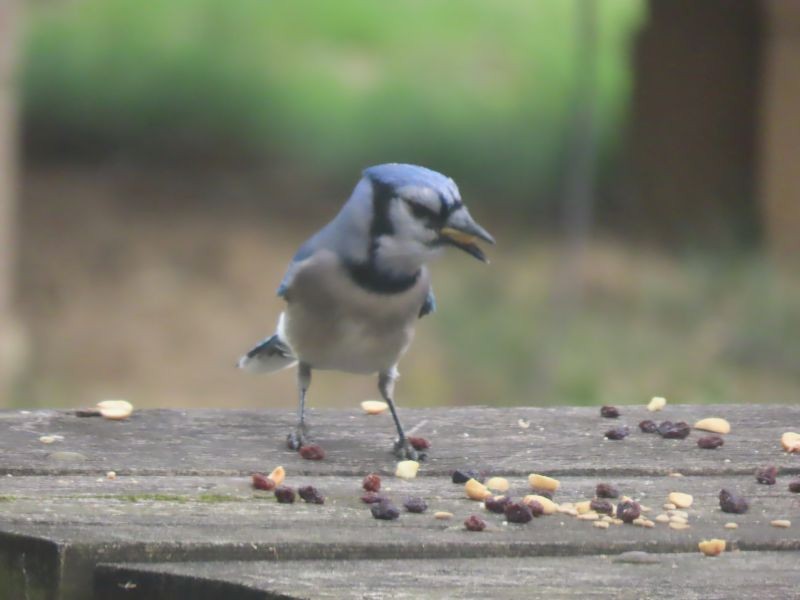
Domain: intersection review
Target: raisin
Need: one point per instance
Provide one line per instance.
(536, 508)
(603, 507)
(606, 490)
(710, 442)
(518, 512)
(284, 494)
(475, 523)
(609, 412)
(463, 476)
(385, 511)
(730, 503)
(311, 495)
(618, 433)
(372, 498)
(419, 443)
(540, 492)
(767, 474)
(628, 511)
(262, 482)
(312, 452)
(496, 504)
(648, 426)
(794, 486)
(415, 504)
(674, 431)
(372, 482)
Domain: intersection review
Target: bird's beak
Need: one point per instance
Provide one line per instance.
(461, 230)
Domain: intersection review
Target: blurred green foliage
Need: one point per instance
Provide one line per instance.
(466, 86)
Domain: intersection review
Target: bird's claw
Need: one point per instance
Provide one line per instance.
(405, 451)
(296, 438)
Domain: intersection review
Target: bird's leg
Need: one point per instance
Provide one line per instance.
(297, 437)
(402, 447)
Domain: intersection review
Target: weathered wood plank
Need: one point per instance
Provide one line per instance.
(688, 576)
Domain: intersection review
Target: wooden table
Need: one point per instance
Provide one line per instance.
(181, 520)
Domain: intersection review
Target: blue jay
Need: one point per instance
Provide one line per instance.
(356, 288)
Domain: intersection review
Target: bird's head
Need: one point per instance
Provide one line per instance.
(415, 212)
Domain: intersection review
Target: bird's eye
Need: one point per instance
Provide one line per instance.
(421, 212)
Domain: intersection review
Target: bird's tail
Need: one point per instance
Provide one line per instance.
(268, 356)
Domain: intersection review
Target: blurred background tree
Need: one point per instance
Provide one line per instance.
(176, 152)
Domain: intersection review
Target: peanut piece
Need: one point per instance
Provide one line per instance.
(713, 547)
(498, 484)
(680, 500)
(784, 523)
(115, 409)
(543, 482)
(791, 441)
(601, 524)
(374, 407)
(278, 475)
(657, 403)
(407, 469)
(548, 505)
(714, 425)
(475, 490)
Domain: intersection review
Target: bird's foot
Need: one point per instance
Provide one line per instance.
(297, 438)
(405, 451)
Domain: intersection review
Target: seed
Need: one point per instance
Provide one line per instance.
(675, 474)
(602, 506)
(680, 500)
(589, 516)
(618, 433)
(463, 476)
(549, 507)
(406, 469)
(542, 482)
(415, 504)
(311, 494)
(628, 510)
(474, 523)
(675, 431)
(115, 409)
(284, 494)
(714, 425)
(518, 512)
(678, 526)
(791, 441)
(498, 484)
(710, 442)
(662, 518)
(262, 482)
(442, 515)
(111, 475)
(372, 498)
(606, 490)
(372, 482)
(419, 443)
(648, 426)
(601, 524)
(475, 490)
(374, 407)
(278, 475)
(767, 474)
(730, 503)
(794, 486)
(784, 523)
(385, 511)
(712, 547)
(312, 452)
(609, 412)
(656, 403)
(496, 504)
(731, 525)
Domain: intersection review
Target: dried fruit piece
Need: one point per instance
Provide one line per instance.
(372, 498)
(284, 494)
(537, 510)
(372, 482)
(311, 494)
(518, 512)
(442, 515)
(385, 511)
(463, 476)
(618, 433)
(710, 442)
(602, 506)
(406, 469)
(656, 403)
(648, 426)
(498, 484)
(628, 510)
(606, 490)
(374, 407)
(419, 443)
(415, 504)
(312, 452)
(794, 486)
(713, 547)
(496, 504)
(542, 482)
(791, 441)
(262, 482)
(767, 474)
(680, 499)
(475, 490)
(675, 431)
(548, 505)
(474, 523)
(714, 425)
(115, 409)
(609, 412)
(278, 475)
(730, 503)
(784, 523)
